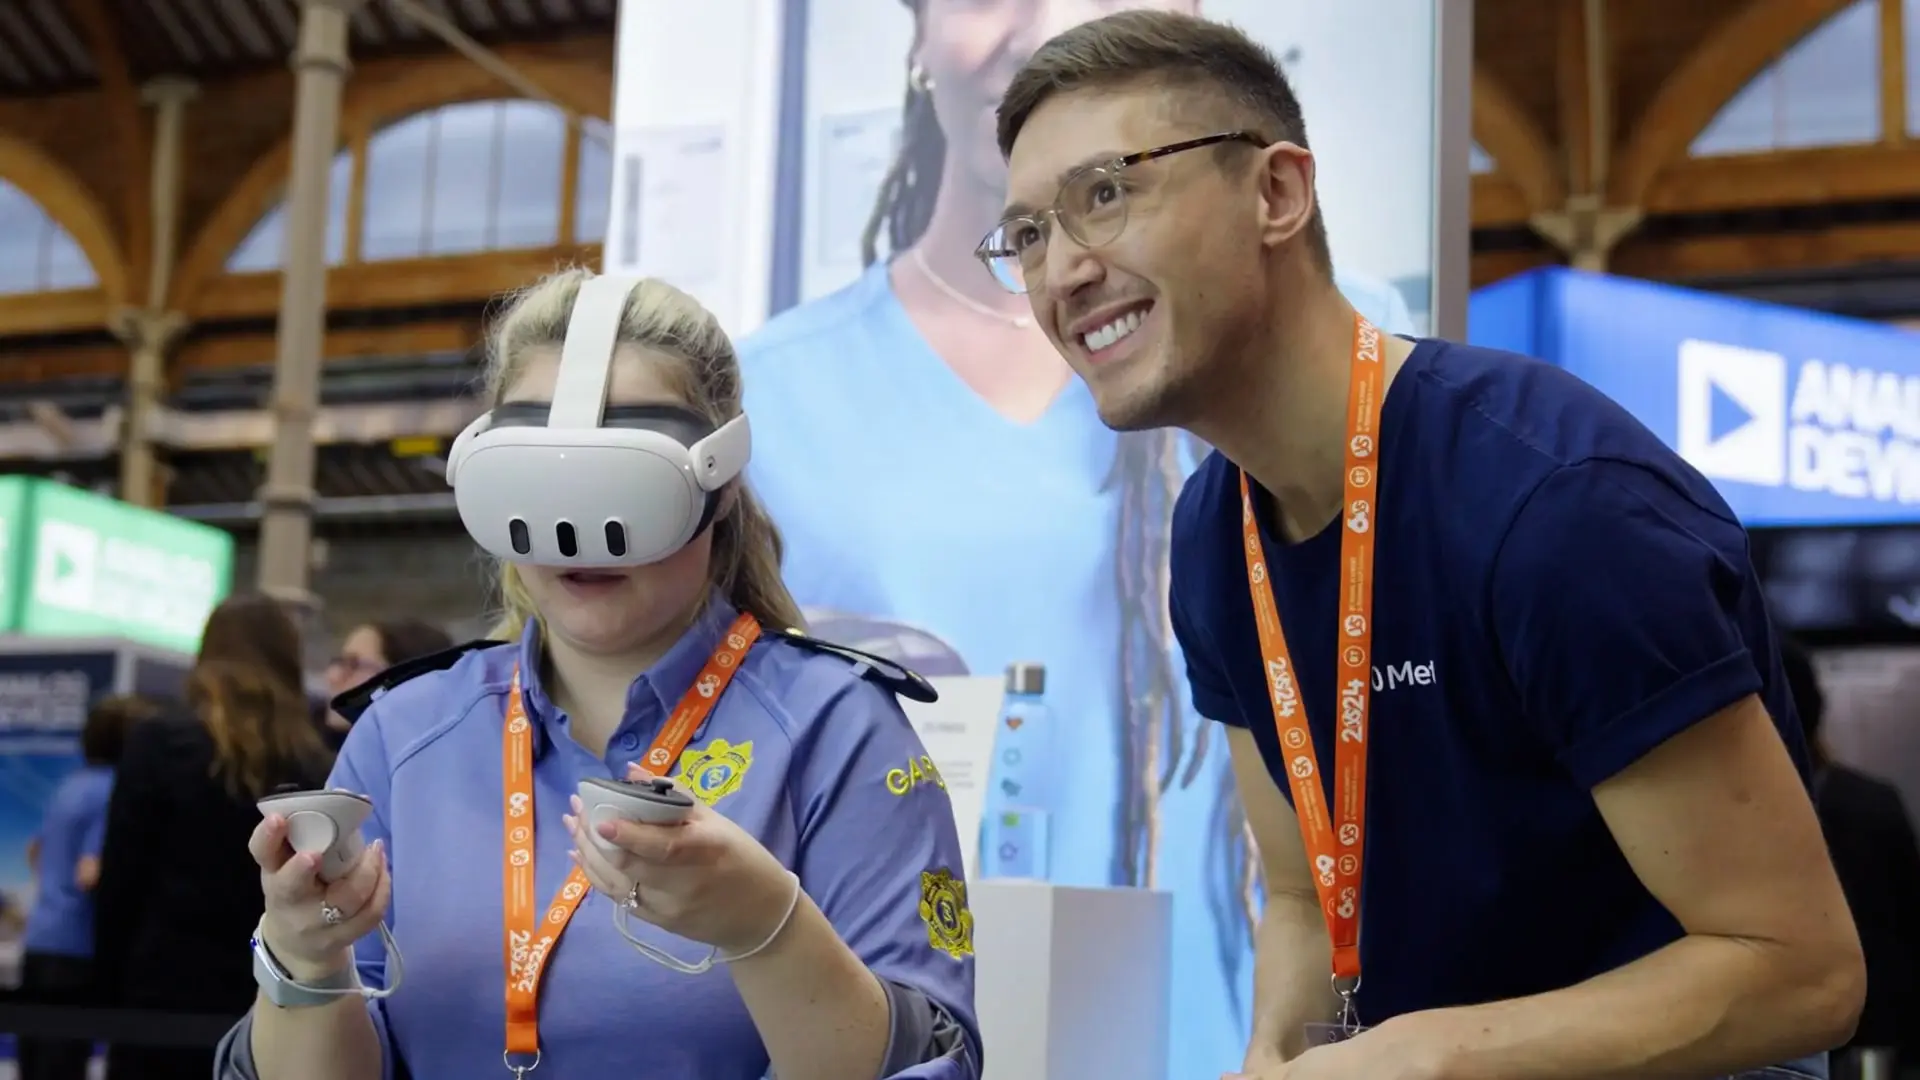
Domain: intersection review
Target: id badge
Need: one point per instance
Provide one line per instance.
(1327, 1034)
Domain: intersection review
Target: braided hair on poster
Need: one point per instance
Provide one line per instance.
(1159, 745)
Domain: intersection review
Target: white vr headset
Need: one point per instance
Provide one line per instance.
(580, 483)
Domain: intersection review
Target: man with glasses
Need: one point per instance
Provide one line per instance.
(1582, 818)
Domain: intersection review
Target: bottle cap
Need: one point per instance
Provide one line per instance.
(1026, 677)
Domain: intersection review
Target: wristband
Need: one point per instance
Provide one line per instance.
(704, 964)
(287, 992)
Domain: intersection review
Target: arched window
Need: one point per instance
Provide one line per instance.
(1478, 160)
(265, 246)
(36, 254)
(456, 180)
(1824, 91)
(459, 179)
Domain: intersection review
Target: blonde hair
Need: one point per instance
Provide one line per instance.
(746, 545)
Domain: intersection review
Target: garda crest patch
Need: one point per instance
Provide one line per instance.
(943, 907)
(715, 772)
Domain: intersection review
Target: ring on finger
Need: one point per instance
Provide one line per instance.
(331, 915)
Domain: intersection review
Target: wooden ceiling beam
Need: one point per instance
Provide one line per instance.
(447, 281)
(1705, 257)
(65, 312)
(380, 92)
(1711, 75)
(402, 283)
(1572, 85)
(1893, 71)
(236, 352)
(1827, 249)
(71, 205)
(127, 127)
(1840, 174)
(1882, 172)
(1498, 203)
(1525, 158)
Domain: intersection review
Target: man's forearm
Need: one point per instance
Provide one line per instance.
(1292, 985)
(1703, 1006)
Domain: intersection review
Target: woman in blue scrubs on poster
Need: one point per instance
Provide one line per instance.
(932, 461)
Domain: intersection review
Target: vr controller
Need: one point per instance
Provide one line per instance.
(326, 822)
(651, 802)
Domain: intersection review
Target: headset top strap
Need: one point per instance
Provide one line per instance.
(586, 355)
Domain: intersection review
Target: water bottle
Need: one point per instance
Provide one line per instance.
(1019, 808)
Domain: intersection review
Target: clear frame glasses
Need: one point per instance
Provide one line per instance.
(1091, 208)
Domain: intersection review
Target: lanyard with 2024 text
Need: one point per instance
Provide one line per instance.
(529, 944)
(1335, 837)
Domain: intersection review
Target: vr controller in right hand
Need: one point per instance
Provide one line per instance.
(326, 823)
(324, 888)
(654, 802)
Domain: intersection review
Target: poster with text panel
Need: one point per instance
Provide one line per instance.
(695, 141)
(44, 697)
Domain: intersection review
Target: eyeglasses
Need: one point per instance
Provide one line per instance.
(356, 665)
(1091, 208)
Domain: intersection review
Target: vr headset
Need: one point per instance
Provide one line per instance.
(578, 483)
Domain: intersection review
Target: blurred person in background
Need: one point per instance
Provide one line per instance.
(1877, 857)
(57, 966)
(373, 648)
(178, 896)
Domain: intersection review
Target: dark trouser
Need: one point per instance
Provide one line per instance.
(47, 978)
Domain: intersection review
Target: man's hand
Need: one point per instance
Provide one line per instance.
(1375, 1054)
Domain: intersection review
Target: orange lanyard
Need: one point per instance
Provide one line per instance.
(1334, 840)
(529, 944)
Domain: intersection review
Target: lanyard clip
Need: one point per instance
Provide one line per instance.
(1346, 988)
(519, 1071)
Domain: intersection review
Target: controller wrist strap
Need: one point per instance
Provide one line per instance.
(622, 911)
(396, 968)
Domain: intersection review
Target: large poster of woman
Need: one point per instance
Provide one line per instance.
(936, 469)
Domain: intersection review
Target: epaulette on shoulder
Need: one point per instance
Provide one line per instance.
(357, 700)
(903, 681)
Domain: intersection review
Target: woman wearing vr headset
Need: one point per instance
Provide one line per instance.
(804, 920)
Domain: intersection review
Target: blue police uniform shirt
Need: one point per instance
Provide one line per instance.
(1556, 593)
(901, 494)
(796, 752)
(61, 920)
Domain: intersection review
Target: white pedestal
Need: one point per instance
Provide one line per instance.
(1071, 982)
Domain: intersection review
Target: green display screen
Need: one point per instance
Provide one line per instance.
(84, 565)
(13, 515)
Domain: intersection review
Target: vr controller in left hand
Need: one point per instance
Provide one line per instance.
(654, 802)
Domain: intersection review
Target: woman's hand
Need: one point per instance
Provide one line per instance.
(296, 927)
(704, 879)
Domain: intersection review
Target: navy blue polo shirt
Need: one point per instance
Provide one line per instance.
(1556, 593)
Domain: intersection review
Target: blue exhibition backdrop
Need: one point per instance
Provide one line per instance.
(1798, 417)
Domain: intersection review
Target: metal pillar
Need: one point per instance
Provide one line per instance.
(151, 332)
(286, 526)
